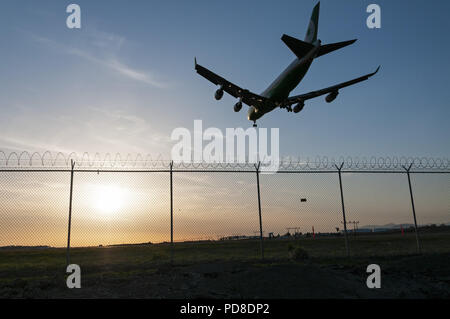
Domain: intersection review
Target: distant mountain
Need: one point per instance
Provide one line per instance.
(397, 226)
(24, 247)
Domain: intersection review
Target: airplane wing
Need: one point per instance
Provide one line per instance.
(248, 97)
(302, 97)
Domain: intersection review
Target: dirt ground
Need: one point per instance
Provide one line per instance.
(234, 269)
(426, 276)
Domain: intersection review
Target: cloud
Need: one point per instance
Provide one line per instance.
(109, 43)
(106, 40)
(133, 74)
(19, 144)
(85, 129)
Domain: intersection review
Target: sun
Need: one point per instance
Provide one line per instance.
(109, 199)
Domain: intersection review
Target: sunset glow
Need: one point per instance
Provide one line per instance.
(109, 199)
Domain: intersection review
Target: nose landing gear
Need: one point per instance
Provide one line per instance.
(254, 124)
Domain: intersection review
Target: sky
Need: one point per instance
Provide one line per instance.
(126, 79)
(117, 208)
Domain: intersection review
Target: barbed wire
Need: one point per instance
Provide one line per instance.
(47, 159)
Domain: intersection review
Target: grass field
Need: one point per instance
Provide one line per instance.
(234, 269)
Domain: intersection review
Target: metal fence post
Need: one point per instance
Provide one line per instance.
(339, 168)
(259, 210)
(171, 211)
(413, 209)
(72, 164)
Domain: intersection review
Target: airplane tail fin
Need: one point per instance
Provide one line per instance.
(299, 47)
(311, 34)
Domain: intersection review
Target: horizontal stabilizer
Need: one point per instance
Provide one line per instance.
(299, 47)
(327, 48)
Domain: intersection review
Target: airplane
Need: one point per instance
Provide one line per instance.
(277, 94)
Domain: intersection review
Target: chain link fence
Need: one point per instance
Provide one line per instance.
(200, 210)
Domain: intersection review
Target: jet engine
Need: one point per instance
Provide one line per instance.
(219, 93)
(298, 107)
(238, 106)
(330, 97)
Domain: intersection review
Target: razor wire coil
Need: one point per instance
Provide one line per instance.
(47, 159)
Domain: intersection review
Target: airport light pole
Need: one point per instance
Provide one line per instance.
(339, 168)
(355, 226)
(72, 164)
(412, 204)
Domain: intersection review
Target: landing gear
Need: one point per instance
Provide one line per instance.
(254, 124)
(287, 107)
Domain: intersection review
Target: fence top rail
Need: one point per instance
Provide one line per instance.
(48, 161)
(57, 170)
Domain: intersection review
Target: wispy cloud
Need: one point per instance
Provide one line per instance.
(133, 74)
(91, 129)
(105, 41)
(19, 144)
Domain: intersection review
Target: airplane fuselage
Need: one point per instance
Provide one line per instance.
(287, 81)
